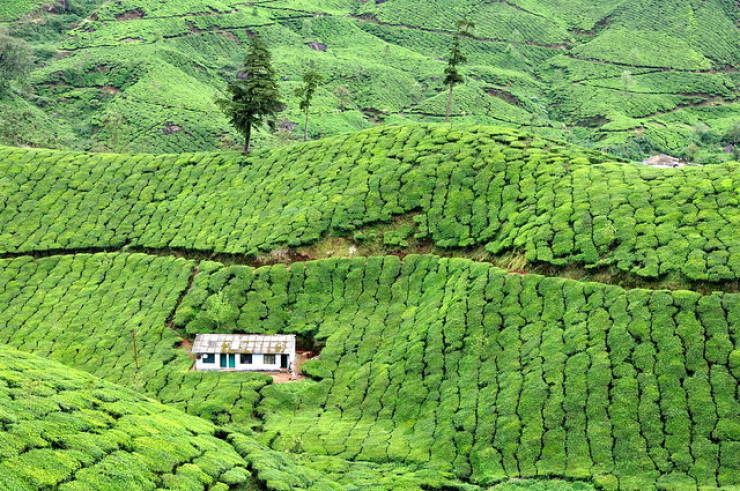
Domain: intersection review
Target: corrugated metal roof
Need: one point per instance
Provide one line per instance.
(244, 343)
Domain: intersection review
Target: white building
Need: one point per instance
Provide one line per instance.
(244, 352)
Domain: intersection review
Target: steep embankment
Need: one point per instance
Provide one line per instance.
(474, 187)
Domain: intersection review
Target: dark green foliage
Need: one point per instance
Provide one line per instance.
(456, 57)
(254, 96)
(16, 60)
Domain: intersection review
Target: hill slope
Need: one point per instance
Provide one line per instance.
(429, 367)
(65, 429)
(457, 188)
(632, 76)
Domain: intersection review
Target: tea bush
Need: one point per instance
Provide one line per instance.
(387, 59)
(460, 366)
(430, 369)
(478, 186)
(81, 310)
(65, 429)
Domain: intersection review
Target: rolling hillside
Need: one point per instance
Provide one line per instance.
(505, 301)
(458, 189)
(65, 429)
(430, 367)
(434, 372)
(629, 76)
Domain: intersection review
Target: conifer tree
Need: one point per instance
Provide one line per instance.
(254, 96)
(311, 81)
(452, 75)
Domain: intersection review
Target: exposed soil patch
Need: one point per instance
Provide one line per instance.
(110, 90)
(170, 128)
(374, 115)
(285, 377)
(317, 46)
(598, 27)
(231, 36)
(130, 15)
(593, 122)
(59, 7)
(502, 94)
(192, 28)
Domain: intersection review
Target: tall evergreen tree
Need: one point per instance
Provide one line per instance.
(311, 81)
(254, 95)
(452, 75)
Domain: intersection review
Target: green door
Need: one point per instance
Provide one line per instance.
(222, 360)
(232, 360)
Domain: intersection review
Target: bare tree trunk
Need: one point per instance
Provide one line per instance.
(247, 138)
(136, 349)
(449, 104)
(305, 127)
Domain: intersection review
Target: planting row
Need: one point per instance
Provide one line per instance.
(65, 429)
(107, 314)
(459, 366)
(480, 186)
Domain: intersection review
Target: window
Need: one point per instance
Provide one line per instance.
(268, 359)
(245, 359)
(209, 358)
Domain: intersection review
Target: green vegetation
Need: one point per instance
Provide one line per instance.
(453, 76)
(254, 96)
(65, 429)
(510, 376)
(81, 310)
(15, 59)
(473, 187)
(499, 297)
(430, 368)
(311, 81)
(554, 67)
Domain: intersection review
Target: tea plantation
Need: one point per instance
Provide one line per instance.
(65, 429)
(511, 376)
(82, 309)
(487, 187)
(634, 77)
(488, 291)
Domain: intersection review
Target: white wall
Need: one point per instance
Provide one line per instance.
(257, 364)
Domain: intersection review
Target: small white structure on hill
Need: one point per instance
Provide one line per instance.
(244, 352)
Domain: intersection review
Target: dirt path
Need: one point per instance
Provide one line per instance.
(284, 377)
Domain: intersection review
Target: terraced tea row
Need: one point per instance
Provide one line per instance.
(429, 366)
(480, 186)
(459, 366)
(65, 429)
(107, 314)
